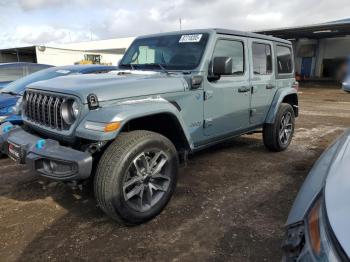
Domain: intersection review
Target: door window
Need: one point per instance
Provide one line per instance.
(262, 59)
(284, 60)
(233, 49)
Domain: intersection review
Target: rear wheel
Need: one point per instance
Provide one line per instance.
(136, 176)
(278, 136)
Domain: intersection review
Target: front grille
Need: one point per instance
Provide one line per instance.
(45, 109)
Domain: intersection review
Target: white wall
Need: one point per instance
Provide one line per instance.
(60, 57)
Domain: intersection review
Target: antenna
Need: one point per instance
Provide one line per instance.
(180, 23)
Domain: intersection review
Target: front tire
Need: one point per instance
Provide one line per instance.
(278, 136)
(136, 176)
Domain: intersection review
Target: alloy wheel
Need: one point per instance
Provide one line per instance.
(147, 180)
(286, 128)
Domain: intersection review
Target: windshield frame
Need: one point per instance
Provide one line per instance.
(163, 67)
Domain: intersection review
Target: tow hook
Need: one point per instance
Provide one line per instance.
(294, 241)
(96, 147)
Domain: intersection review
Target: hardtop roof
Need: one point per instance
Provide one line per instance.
(224, 32)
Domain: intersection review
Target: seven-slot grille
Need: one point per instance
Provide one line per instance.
(45, 109)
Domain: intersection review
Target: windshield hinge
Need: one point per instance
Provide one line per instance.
(208, 95)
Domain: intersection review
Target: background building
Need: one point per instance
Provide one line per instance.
(320, 50)
(102, 51)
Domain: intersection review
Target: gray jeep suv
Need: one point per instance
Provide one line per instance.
(174, 94)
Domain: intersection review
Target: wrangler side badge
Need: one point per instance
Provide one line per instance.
(92, 101)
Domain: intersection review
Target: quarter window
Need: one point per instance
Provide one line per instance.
(284, 60)
(233, 49)
(262, 59)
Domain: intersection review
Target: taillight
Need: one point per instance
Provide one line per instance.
(296, 85)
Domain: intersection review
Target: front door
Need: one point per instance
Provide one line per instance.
(226, 104)
(263, 80)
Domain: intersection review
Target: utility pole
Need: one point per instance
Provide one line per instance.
(180, 22)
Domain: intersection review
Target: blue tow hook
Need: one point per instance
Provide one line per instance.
(40, 143)
(6, 129)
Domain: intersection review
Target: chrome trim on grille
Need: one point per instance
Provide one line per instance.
(45, 109)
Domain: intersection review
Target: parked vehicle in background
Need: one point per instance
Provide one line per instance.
(346, 82)
(175, 93)
(346, 85)
(14, 91)
(318, 223)
(10, 72)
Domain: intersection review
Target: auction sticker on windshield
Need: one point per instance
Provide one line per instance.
(191, 38)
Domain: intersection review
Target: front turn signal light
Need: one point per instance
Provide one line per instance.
(102, 127)
(110, 127)
(314, 228)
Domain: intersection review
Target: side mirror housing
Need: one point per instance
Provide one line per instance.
(222, 66)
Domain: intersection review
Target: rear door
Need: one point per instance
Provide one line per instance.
(263, 79)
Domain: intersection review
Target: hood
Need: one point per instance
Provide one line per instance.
(115, 85)
(7, 100)
(3, 84)
(337, 194)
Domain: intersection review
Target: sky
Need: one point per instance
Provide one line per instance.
(50, 22)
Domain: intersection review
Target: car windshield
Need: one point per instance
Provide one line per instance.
(12, 72)
(174, 52)
(18, 86)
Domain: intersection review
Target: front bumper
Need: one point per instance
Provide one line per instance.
(46, 156)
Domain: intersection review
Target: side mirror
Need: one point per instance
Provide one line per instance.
(222, 66)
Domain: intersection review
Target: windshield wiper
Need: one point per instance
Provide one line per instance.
(159, 65)
(9, 93)
(129, 65)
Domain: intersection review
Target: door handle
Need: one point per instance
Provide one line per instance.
(269, 86)
(244, 89)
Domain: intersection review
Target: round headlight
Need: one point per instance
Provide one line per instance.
(69, 111)
(75, 109)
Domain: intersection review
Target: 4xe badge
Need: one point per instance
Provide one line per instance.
(92, 101)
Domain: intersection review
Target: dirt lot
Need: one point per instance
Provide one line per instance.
(230, 205)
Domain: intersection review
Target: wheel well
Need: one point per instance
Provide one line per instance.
(292, 99)
(165, 124)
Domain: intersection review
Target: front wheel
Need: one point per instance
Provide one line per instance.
(278, 136)
(136, 176)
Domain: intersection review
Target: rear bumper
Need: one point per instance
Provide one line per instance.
(47, 157)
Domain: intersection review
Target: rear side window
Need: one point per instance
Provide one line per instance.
(234, 49)
(284, 60)
(262, 59)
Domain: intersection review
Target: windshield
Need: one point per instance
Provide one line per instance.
(12, 72)
(18, 86)
(177, 52)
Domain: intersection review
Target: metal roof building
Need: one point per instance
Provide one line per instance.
(101, 51)
(320, 49)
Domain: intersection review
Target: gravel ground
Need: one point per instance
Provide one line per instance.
(230, 204)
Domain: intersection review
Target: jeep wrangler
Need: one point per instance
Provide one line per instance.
(173, 94)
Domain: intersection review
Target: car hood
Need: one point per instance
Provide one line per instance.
(7, 100)
(337, 194)
(113, 86)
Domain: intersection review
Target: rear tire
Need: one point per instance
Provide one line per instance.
(136, 177)
(278, 136)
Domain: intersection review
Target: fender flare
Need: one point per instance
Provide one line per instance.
(280, 95)
(124, 112)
